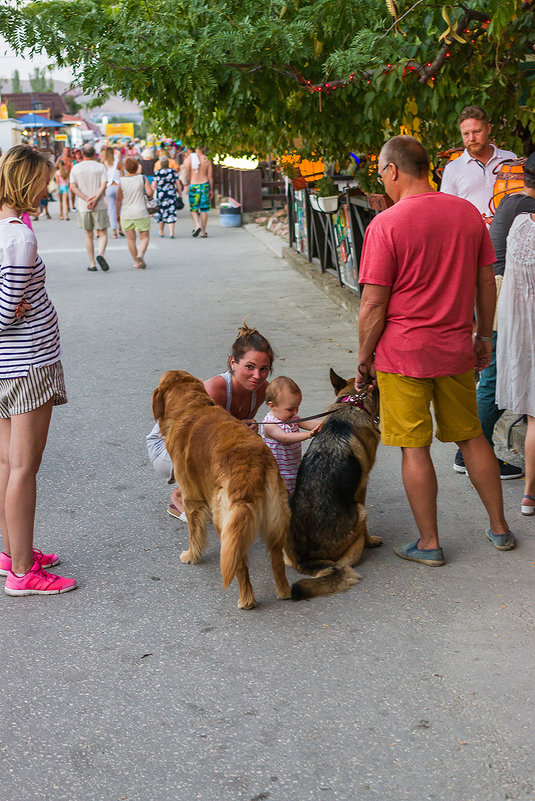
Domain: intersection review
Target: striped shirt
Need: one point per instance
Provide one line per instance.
(287, 454)
(34, 338)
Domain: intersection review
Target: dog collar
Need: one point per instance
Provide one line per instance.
(354, 400)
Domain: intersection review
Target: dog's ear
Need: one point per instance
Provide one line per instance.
(158, 403)
(337, 381)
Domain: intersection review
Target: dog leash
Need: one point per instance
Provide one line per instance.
(353, 400)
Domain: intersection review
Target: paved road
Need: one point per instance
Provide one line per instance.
(147, 683)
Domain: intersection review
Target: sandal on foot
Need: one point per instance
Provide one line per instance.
(173, 511)
(526, 508)
(503, 542)
(196, 232)
(411, 552)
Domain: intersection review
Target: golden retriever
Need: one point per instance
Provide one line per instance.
(223, 468)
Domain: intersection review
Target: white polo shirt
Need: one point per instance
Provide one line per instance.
(469, 178)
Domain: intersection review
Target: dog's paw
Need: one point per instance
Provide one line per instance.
(287, 561)
(189, 559)
(353, 579)
(373, 542)
(250, 603)
(284, 593)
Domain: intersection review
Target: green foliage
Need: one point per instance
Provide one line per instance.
(15, 82)
(326, 187)
(71, 103)
(39, 81)
(235, 74)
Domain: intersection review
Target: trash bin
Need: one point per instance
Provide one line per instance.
(229, 213)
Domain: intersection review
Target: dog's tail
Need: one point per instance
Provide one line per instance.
(238, 532)
(326, 582)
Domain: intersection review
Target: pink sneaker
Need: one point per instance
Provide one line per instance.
(44, 560)
(37, 582)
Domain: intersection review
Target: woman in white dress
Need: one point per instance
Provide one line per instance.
(114, 171)
(515, 386)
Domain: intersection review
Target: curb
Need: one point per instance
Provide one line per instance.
(271, 241)
(325, 282)
(517, 434)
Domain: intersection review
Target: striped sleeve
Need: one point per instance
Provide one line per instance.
(16, 271)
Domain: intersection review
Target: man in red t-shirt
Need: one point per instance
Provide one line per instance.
(426, 262)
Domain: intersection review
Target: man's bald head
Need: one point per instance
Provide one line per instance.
(408, 154)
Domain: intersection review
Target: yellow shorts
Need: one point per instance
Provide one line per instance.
(137, 224)
(405, 412)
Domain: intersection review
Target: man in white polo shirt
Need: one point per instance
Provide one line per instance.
(472, 177)
(88, 181)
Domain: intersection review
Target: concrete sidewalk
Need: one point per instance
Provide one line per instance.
(147, 683)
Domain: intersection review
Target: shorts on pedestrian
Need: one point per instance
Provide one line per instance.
(164, 467)
(63, 189)
(94, 220)
(199, 197)
(29, 392)
(139, 224)
(405, 409)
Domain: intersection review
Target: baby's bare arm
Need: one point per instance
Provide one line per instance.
(275, 432)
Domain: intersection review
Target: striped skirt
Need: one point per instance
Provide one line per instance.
(29, 392)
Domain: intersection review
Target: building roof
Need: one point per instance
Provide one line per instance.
(46, 104)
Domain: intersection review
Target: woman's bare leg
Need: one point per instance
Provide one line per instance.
(27, 440)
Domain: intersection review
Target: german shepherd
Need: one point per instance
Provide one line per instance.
(328, 516)
(223, 468)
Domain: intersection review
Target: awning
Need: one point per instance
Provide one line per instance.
(35, 121)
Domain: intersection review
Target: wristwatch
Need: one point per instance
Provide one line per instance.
(482, 339)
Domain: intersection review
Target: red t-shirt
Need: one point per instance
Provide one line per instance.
(428, 248)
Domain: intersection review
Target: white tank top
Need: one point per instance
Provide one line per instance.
(133, 206)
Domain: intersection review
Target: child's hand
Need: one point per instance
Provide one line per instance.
(253, 425)
(314, 431)
(22, 308)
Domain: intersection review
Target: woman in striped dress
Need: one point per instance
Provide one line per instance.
(31, 377)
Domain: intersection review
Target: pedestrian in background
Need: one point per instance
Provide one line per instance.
(515, 366)
(173, 165)
(114, 170)
(132, 210)
(168, 188)
(63, 171)
(471, 176)
(426, 262)
(147, 163)
(31, 376)
(509, 208)
(88, 181)
(199, 178)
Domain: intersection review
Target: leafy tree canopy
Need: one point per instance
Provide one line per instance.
(250, 76)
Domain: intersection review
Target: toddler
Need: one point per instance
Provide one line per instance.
(280, 427)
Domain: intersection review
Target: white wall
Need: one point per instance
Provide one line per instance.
(10, 134)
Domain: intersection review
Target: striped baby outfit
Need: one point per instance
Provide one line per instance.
(287, 454)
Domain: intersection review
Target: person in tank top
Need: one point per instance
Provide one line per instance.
(241, 391)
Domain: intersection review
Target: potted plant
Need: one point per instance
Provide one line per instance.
(294, 174)
(366, 175)
(325, 198)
